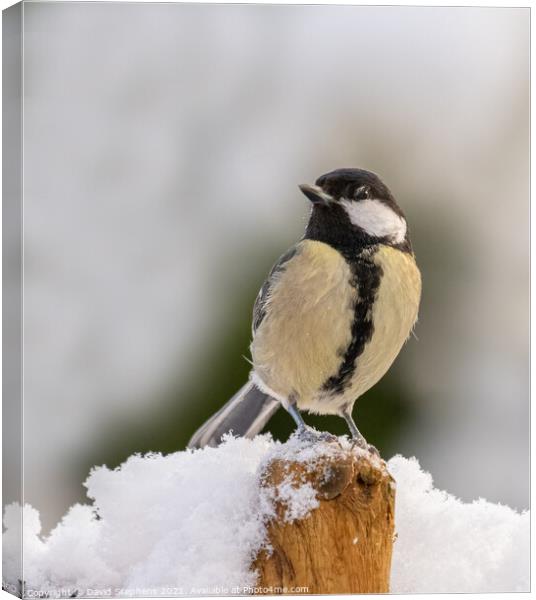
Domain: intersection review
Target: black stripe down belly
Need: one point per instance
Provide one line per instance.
(366, 277)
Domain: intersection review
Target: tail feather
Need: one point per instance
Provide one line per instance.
(245, 414)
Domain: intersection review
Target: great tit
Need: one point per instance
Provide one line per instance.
(332, 315)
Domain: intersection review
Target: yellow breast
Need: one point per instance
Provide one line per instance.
(308, 322)
(302, 340)
(394, 315)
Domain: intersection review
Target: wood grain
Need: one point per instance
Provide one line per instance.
(342, 547)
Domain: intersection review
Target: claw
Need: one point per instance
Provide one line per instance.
(312, 436)
(364, 445)
(359, 443)
(373, 450)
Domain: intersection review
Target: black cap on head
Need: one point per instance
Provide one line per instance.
(356, 184)
(343, 183)
(353, 208)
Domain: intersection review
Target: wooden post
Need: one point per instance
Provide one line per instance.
(344, 545)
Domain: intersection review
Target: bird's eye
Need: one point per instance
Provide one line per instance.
(361, 192)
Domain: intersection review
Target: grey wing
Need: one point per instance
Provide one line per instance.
(261, 302)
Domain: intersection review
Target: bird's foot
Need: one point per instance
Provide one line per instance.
(373, 450)
(312, 436)
(364, 445)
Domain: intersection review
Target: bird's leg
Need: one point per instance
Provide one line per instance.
(357, 436)
(296, 415)
(305, 432)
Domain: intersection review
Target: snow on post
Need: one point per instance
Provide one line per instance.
(201, 523)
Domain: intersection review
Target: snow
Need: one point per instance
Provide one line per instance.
(454, 546)
(190, 523)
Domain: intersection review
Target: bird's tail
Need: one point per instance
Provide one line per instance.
(246, 413)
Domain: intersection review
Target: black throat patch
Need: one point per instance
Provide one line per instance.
(366, 277)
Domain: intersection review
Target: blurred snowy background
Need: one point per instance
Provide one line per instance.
(163, 148)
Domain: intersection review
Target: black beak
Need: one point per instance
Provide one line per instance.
(316, 194)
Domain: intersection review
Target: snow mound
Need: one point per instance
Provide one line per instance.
(446, 545)
(191, 522)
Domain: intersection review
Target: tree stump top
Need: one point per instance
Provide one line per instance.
(333, 522)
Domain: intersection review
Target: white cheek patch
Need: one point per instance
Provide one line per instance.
(376, 219)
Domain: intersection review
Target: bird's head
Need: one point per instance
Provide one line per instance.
(353, 206)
